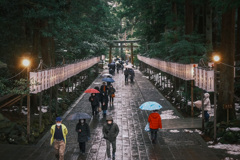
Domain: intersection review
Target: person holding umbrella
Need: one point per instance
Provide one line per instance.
(83, 131)
(95, 103)
(154, 118)
(155, 122)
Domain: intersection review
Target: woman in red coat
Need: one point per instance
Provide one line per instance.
(155, 122)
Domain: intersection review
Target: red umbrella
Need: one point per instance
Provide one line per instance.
(91, 90)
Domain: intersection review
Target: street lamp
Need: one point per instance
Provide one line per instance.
(216, 59)
(26, 63)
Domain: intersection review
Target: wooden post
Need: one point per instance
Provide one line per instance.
(132, 54)
(40, 107)
(64, 89)
(192, 112)
(28, 105)
(202, 111)
(186, 95)
(50, 103)
(56, 100)
(110, 54)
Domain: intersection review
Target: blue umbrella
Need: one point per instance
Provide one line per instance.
(79, 115)
(108, 80)
(150, 106)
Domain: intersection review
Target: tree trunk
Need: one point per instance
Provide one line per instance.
(238, 37)
(188, 17)
(208, 11)
(226, 89)
(44, 41)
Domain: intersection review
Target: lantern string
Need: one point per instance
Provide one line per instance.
(16, 74)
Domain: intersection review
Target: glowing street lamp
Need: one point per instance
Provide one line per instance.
(216, 58)
(26, 62)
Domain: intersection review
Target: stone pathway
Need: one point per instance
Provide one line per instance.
(133, 142)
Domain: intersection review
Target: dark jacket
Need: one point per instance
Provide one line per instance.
(110, 132)
(104, 101)
(94, 100)
(85, 132)
(126, 72)
(111, 91)
(131, 72)
(102, 90)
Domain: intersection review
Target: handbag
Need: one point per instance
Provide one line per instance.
(147, 128)
(113, 95)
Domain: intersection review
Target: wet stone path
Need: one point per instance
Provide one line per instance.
(133, 142)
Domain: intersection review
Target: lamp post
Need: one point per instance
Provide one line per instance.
(216, 59)
(26, 63)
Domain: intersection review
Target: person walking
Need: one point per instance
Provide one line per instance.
(59, 132)
(155, 122)
(104, 89)
(126, 75)
(110, 132)
(104, 103)
(111, 93)
(118, 67)
(131, 73)
(99, 98)
(207, 106)
(83, 131)
(95, 103)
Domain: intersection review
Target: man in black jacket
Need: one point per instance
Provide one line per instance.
(110, 131)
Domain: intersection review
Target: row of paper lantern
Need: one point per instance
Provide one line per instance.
(183, 71)
(204, 78)
(45, 79)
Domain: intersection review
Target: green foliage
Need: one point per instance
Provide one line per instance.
(187, 48)
(17, 87)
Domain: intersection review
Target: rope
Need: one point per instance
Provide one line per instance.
(16, 74)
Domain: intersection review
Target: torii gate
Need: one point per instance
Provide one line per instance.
(124, 41)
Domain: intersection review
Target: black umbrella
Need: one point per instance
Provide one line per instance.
(79, 115)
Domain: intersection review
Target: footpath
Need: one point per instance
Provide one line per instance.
(178, 140)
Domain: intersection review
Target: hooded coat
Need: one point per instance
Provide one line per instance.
(155, 121)
(206, 102)
(110, 132)
(85, 132)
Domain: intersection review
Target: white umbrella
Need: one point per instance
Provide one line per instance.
(128, 66)
(107, 75)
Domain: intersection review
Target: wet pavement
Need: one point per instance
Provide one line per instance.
(133, 142)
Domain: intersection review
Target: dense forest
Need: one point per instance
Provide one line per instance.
(62, 31)
(52, 30)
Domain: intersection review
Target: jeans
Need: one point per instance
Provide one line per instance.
(206, 116)
(113, 147)
(154, 134)
(82, 146)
